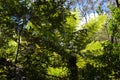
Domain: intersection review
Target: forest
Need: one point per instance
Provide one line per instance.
(59, 39)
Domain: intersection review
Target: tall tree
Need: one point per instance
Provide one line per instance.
(38, 24)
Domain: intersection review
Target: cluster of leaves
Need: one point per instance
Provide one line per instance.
(102, 57)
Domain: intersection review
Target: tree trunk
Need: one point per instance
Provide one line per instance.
(73, 68)
(117, 3)
(115, 29)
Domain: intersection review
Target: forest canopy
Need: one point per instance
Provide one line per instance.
(59, 40)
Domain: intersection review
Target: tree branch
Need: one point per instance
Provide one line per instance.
(117, 3)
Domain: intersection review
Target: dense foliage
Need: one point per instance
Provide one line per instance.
(40, 40)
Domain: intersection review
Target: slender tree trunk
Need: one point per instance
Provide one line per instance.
(112, 36)
(117, 3)
(86, 19)
(18, 42)
(115, 29)
(73, 68)
(17, 52)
